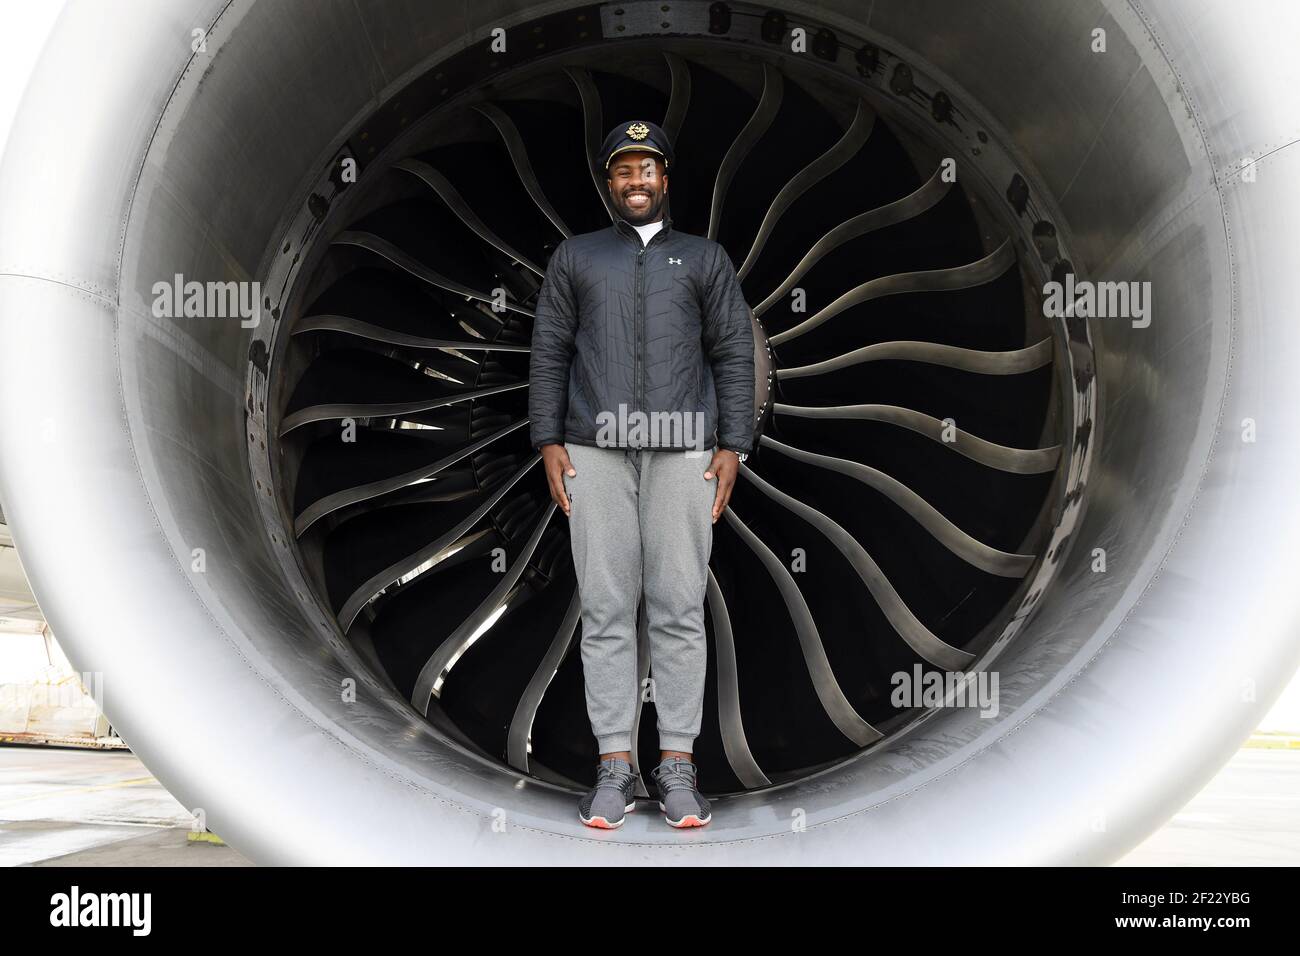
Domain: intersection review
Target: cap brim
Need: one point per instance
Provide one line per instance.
(637, 148)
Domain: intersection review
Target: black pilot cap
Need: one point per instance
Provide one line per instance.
(639, 135)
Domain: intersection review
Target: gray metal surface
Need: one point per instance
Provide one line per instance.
(123, 450)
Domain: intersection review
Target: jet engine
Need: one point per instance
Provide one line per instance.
(1008, 577)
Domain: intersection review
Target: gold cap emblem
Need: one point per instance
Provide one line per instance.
(638, 131)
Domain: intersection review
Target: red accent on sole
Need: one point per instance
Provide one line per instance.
(600, 823)
(690, 820)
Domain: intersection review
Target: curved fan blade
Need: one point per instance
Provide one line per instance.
(376, 333)
(350, 496)
(898, 211)
(734, 742)
(441, 185)
(918, 637)
(809, 176)
(970, 550)
(591, 124)
(434, 672)
(1014, 362)
(1019, 461)
(412, 565)
(321, 413)
(679, 101)
(519, 156)
(832, 698)
(407, 263)
(936, 280)
(519, 743)
(759, 123)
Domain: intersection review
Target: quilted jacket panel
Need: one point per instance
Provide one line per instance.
(659, 328)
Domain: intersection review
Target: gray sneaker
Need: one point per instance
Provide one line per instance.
(611, 798)
(679, 798)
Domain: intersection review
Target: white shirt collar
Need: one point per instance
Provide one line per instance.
(648, 230)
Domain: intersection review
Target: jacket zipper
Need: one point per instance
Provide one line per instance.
(640, 332)
(639, 371)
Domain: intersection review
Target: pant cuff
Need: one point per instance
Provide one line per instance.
(614, 743)
(683, 742)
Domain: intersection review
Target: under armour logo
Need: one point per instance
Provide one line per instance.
(674, 262)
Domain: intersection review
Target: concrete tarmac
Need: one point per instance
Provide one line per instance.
(68, 807)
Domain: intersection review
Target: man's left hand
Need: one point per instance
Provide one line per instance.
(726, 465)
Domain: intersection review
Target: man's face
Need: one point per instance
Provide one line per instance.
(637, 185)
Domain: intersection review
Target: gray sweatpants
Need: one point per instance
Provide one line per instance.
(641, 520)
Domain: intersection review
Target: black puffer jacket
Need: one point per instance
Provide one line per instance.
(662, 327)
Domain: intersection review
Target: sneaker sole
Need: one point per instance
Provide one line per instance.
(600, 823)
(690, 820)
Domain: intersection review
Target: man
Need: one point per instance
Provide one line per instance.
(642, 368)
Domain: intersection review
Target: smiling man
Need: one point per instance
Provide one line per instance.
(642, 370)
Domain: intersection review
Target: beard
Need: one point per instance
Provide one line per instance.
(639, 217)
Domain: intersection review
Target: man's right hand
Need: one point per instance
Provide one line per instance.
(555, 459)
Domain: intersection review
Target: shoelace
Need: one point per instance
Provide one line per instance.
(678, 775)
(610, 776)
